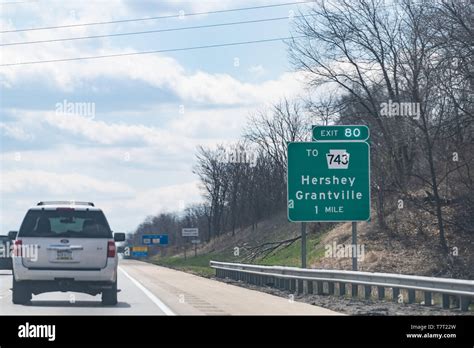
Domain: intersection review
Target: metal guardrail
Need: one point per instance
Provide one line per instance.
(312, 281)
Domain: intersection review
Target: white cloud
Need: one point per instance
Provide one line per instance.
(22, 181)
(210, 123)
(156, 70)
(124, 206)
(167, 198)
(15, 132)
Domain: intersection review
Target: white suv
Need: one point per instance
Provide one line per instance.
(65, 246)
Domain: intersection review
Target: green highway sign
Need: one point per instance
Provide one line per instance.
(328, 181)
(341, 133)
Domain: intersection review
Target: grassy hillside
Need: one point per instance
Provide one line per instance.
(406, 250)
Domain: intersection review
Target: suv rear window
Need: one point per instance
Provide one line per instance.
(65, 223)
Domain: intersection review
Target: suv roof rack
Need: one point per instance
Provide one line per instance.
(65, 202)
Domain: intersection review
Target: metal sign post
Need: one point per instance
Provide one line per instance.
(303, 245)
(190, 232)
(354, 242)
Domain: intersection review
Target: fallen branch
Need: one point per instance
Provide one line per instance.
(267, 248)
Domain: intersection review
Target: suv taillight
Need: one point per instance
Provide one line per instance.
(17, 248)
(111, 249)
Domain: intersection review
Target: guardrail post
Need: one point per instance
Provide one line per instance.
(331, 288)
(381, 292)
(395, 294)
(464, 303)
(282, 283)
(427, 298)
(292, 285)
(287, 284)
(367, 291)
(300, 286)
(319, 288)
(445, 301)
(354, 289)
(411, 295)
(309, 286)
(342, 289)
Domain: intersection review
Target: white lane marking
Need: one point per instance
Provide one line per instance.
(150, 295)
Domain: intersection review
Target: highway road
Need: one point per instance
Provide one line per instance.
(148, 289)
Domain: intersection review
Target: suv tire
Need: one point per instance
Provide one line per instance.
(109, 296)
(21, 293)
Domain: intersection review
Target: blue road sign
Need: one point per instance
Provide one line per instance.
(160, 239)
(139, 251)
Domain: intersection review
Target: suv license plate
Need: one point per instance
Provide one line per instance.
(64, 255)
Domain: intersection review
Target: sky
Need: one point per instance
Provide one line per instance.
(123, 131)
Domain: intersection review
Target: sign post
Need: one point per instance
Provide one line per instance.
(329, 179)
(354, 242)
(190, 232)
(195, 242)
(303, 245)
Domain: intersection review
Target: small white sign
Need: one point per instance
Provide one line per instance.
(190, 232)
